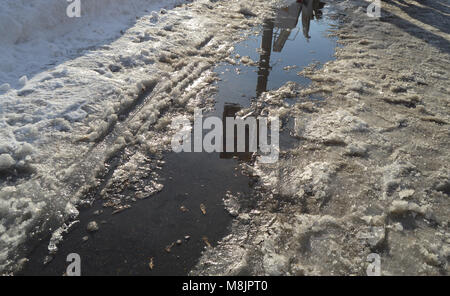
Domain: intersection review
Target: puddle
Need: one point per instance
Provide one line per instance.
(281, 50)
(297, 37)
(126, 242)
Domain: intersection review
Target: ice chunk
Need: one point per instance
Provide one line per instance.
(92, 226)
(5, 87)
(24, 150)
(154, 17)
(23, 80)
(6, 162)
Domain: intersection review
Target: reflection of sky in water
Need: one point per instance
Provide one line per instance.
(297, 51)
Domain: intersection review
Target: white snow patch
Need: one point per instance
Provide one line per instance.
(37, 35)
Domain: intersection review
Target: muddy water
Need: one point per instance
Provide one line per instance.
(127, 242)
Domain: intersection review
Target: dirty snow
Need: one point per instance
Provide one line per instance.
(85, 102)
(370, 172)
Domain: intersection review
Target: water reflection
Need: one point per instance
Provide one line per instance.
(311, 9)
(279, 31)
(264, 58)
(230, 110)
(276, 32)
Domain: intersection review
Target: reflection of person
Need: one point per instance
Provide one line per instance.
(310, 9)
(287, 19)
(317, 9)
(307, 15)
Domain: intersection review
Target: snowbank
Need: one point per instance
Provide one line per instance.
(38, 34)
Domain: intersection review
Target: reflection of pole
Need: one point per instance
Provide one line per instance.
(230, 110)
(264, 59)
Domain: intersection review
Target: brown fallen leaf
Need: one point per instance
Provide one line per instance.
(169, 247)
(205, 239)
(203, 209)
(151, 264)
(184, 209)
(120, 209)
(142, 195)
(83, 139)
